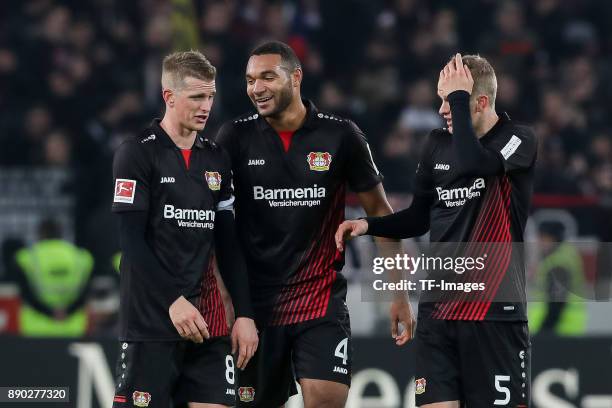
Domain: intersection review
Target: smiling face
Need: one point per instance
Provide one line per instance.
(270, 85)
(192, 102)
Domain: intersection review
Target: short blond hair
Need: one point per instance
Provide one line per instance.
(180, 65)
(485, 80)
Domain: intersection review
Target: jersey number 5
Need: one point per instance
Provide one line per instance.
(504, 390)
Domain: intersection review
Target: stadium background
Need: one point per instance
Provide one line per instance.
(78, 77)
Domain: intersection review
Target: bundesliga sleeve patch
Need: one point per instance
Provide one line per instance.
(511, 147)
(125, 189)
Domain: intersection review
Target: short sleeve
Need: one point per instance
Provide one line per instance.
(226, 196)
(362, 173)
(423, 184)
(131, 175)
(517, 150)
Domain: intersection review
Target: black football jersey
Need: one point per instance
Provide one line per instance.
(488, 212)
(289, 205)
(151, 176)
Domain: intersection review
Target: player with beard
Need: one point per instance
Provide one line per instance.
(473, 184)
(291, 164)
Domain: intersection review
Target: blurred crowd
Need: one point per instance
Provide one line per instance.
(77, 77)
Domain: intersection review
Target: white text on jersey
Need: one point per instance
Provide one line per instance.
(256, 162)
(290, 197)
(189, 217)
(461, 194)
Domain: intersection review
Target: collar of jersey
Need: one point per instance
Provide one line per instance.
(165, 139)
(503, 119)
(309, 123)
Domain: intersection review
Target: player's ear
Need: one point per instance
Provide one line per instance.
(481, 103)
(486, 102)
(168, 96)
(296, 77)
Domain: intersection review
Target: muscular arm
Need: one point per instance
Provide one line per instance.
(374, 202)
(472, 158)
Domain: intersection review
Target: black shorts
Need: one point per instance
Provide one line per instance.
(482, 364)
(316, 349)
(152, 374)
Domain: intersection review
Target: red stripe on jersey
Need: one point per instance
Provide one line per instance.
(504, 240)
(497, 244)
(483, 235)
(186, 156)
(492, 233)
(306, 294)
(211, 303)
(286, 136)
(119, 398)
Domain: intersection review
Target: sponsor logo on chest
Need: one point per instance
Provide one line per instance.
(290, 197)
(442, 166)
(456, 197)
(256, 162)
(166, 180)
(190, 218)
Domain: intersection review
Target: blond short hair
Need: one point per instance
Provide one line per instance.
(485, 81)
(180, 65)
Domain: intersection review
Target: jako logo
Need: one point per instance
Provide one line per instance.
(256, 162)
(340, 370)
(167, 180)
(463, 192)
(442, 166)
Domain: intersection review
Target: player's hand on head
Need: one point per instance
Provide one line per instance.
(188, 320)
(401, 313)
(350, 229)
(455, 76)
(244, 340)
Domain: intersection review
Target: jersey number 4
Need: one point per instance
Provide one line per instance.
(342, 350)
